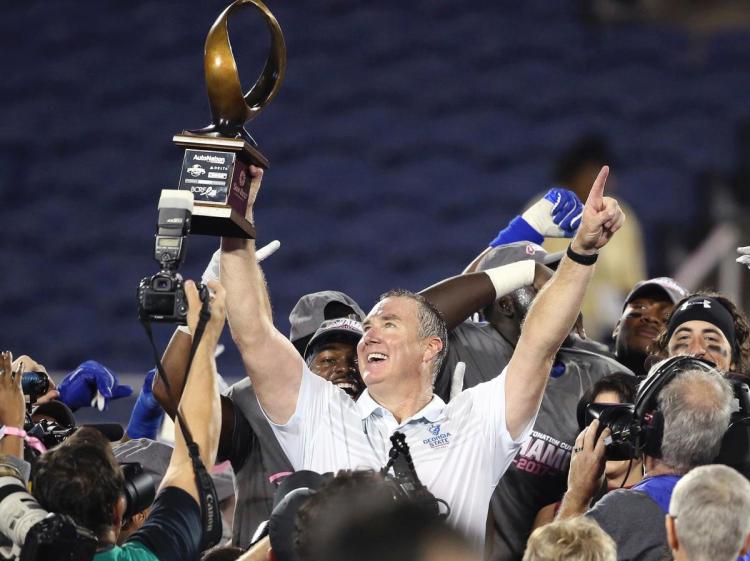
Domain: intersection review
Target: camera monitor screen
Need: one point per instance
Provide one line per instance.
(160, 304)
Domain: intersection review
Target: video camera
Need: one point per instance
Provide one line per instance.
(161, 297)
(636, 428)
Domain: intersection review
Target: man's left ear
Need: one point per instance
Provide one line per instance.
(672, 540)
(434, 346)
(120, 507)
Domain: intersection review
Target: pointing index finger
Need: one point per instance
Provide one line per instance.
(596, 195)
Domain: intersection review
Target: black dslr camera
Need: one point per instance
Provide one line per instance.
(34, 385)
(161, 297)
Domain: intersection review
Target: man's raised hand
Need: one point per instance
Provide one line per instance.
(12, 403)
(602, 217)
(216, 306)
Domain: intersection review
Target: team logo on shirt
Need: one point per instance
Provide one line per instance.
(438, 439)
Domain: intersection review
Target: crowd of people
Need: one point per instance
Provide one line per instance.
(473, 419)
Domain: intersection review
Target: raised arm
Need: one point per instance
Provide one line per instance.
(199, 405)
(459, 297)
(174, 361)
(271, 361)
(12, 406)
(555, 310)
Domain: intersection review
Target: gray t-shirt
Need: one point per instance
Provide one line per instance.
(481, 348)
(258, 461)
(635, 523)
(538, 474)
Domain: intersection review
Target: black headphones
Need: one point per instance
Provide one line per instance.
(648, 420)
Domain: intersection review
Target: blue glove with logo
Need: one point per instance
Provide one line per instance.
(556, 215)
(91, 384)
(147, 413)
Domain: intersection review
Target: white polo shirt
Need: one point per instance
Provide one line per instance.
(460, 450)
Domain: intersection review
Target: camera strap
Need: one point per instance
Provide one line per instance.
(209, 500)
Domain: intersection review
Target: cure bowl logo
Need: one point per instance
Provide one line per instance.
(195, 170)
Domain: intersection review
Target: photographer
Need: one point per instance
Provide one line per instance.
(80, 478)
(683, 424)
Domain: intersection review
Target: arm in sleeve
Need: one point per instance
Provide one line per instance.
(311, 415)
(173, 529)
(486, 402)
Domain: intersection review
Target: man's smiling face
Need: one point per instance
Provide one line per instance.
(391, 350)
(337, 363)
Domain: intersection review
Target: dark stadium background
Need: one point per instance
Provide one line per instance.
(404, 136)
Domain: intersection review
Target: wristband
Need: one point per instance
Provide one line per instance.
(185, 329)
(518, 230)
(511, 277)
(32, 441)
(586, 260)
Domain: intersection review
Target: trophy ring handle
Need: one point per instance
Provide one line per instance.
(231, 109)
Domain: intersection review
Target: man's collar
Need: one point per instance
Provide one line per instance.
(432, 411)
(367, 405)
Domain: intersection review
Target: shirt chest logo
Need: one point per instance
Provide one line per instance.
(438, 438)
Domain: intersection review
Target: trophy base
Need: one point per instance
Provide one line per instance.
(216, 171)
(246, 151)
(224, 221)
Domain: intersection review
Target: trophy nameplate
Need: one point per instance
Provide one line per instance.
(217, 158)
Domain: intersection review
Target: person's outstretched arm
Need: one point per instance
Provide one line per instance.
(199, 406)
(555, 310)
(271, 361)
(459, 297)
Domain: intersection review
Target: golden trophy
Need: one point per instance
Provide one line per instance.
(217, 157)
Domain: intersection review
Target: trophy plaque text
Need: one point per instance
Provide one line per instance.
(217, 158)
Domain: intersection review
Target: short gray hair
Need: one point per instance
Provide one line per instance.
(431, 322)
(696, 405)
(711, 508)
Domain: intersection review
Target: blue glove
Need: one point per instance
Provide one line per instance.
(556, 215)
(147, 413)
(91, 384)
(567, 210)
